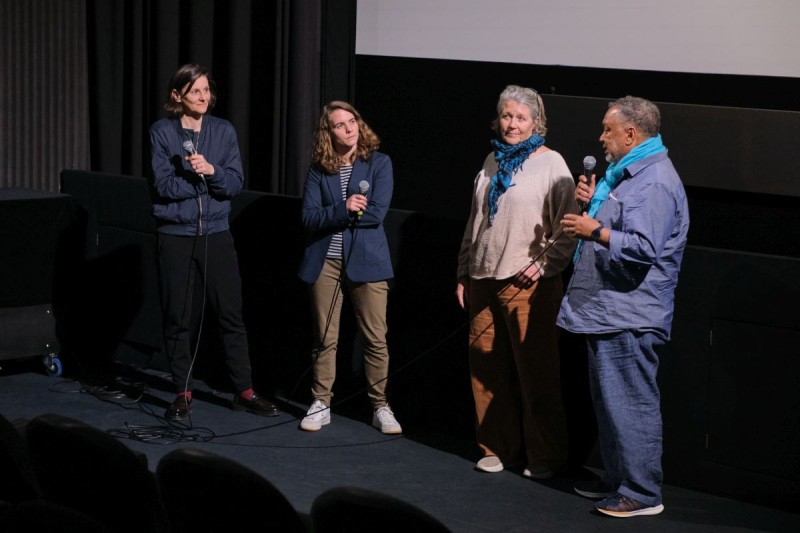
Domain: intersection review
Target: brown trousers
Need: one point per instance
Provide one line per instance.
(515, 368)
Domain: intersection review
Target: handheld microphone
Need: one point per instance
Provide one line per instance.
(188, 145)
(588, 165)
(363, 187)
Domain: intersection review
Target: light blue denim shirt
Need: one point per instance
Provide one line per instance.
(631, 284)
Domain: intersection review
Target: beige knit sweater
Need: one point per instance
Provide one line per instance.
(528, 218)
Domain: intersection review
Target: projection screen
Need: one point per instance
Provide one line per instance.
(749, 37)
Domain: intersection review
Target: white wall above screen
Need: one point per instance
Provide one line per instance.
(749, 37)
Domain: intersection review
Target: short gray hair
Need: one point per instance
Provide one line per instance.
(524, 96)
(642, 113)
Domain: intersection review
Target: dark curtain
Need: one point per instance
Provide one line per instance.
(43, 92)
(265, 56)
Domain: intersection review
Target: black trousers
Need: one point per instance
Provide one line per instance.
(210, 260)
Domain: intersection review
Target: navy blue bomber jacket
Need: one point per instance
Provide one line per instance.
(185, 203)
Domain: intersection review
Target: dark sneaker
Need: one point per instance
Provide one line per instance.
(179, 409)
(621, 506)
(256, 405)
(538, 472)
(594, 488)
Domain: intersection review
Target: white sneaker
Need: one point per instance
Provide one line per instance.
(318, 415)
(537, 472)
(384, 420)
(489, 463)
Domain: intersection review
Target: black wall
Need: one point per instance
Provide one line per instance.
(110, 310)
(729, 378)
(35, 239)
(732, 138)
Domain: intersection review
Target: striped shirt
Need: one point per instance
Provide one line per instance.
(335, 249)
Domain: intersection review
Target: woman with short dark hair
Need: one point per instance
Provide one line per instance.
(197, 169)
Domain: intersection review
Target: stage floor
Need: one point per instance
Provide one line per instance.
(350, 452)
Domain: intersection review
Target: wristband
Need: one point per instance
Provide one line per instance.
(595, 236)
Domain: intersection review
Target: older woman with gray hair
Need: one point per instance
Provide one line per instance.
(509, 280)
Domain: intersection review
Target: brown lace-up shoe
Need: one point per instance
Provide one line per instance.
(622, 506)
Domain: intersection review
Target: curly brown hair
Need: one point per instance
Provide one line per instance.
(185, 76)
(323, 153)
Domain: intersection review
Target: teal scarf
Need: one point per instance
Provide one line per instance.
(509, 158)
(614, 174)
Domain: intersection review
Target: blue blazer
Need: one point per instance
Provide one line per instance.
(324, 214)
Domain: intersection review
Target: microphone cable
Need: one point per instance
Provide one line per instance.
(427, 351)
(176, 431)
(172, 431)
(315, 353)
(189, 295)
(448, 336)
(199, 236)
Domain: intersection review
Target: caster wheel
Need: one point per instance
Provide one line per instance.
(52, 365)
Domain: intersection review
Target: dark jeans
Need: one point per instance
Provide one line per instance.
(210, 260)
(622, 376)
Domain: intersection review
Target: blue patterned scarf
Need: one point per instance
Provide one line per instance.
(614, 173)
(510, 158)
